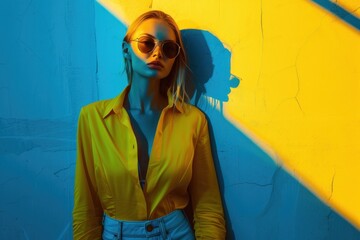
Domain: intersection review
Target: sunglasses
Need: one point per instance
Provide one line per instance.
(168, 47)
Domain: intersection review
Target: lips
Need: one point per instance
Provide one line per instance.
(155, 65)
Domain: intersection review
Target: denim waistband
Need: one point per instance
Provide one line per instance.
(147, 228)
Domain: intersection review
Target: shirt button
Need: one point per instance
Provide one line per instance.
(149, 228)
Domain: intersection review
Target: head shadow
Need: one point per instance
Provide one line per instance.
(260, 198)
(210, 68)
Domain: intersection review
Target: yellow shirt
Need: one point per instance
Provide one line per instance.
(180, 168)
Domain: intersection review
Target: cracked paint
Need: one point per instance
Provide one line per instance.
(56, 173)
(286, 135)
(332, 186)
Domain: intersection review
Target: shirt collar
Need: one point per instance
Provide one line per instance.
(116, 104)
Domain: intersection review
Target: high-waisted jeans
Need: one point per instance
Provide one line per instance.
(172, 226)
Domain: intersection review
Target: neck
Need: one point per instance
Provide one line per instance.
(144, 96)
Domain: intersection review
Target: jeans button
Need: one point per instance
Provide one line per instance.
(149, 228)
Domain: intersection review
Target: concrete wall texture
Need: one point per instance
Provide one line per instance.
(278, 80)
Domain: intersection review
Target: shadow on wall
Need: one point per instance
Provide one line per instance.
(340, 12)
(261, 200)
(65, 66)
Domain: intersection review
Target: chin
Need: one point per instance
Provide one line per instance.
(157, 76)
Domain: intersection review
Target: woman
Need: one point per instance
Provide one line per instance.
(143, 156)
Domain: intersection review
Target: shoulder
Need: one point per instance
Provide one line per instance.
(104, 107)
(194, 114)
(193, 110)
(96, 107)
(96, 110)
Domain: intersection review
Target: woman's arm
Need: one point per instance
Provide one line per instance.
(204, 191)
(87, 212)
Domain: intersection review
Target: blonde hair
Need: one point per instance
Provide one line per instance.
(175, 81)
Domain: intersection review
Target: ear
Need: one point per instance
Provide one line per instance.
(125, 48)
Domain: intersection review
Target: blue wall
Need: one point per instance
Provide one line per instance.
(47, 71)
(57, 56)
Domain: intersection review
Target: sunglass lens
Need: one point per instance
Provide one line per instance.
(170, 49)
(146, 44)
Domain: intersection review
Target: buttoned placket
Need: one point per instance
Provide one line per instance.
(131, 160)
(133, 165)
(154, 154)
(132, 157)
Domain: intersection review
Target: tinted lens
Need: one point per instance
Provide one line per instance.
(146, 44)
(170, 49)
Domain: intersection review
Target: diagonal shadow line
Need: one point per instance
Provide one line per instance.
(340, 12)
(261, 199)
(253, 186)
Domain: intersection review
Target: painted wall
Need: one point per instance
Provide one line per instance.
(279, 82)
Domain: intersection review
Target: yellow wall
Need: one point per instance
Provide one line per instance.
(300, 83)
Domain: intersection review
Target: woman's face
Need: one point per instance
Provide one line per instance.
(154, 64)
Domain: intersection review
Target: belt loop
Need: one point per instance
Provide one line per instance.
(163, 229)
(103, 219)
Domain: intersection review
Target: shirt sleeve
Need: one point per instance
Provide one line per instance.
(87, 212)
(209, 220)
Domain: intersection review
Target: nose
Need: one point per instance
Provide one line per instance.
(234, 81)
(157, 51)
